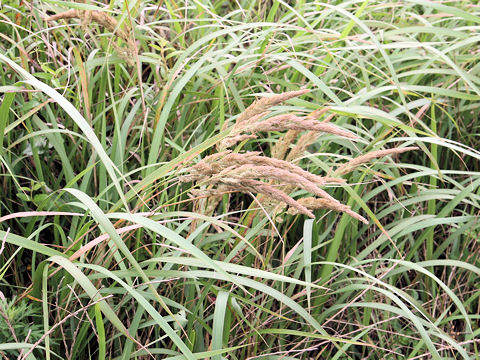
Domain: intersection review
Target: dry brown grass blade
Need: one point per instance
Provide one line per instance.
(352, 164)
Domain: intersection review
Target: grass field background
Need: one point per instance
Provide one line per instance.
(149, 153)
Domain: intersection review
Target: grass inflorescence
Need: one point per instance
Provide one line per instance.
(239, 180)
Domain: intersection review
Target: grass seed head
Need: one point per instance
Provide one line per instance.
(305, 141)
(352, 164)
(283, 144)
(270, 191)
(316, 203)
(254, 158)
(86, 17)
(244, 171)
(265, 103)
(293, 122)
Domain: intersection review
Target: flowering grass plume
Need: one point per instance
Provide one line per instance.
(354, 163)
(253, 120)
(273, 178)
(108, 22)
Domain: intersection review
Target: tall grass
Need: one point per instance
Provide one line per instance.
(128, 231)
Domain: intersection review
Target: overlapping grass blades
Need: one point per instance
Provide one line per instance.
(118, 260)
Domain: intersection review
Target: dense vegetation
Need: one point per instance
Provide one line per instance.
(161, 162)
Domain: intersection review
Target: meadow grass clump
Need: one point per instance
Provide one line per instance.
(239, 180)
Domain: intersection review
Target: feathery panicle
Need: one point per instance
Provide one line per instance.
(99, 17)
(352, 164)
(270, 191)
(328, 118)
(214, 195)
(189, 177)
(70, 14)
(213, 202)
(305, 141)
(247, 172)
(216, 156)
(281, 175)
(237, 128)
(239, 172)
(293, 122)
(253, 158)
(208, 192)
(232, 140)
(315, 203)
(265, 103)
(105, 20)
(250, 121)
(282, 145)
(255, 186)
(317, 114)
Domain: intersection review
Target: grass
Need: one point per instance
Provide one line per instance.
(156, 200)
